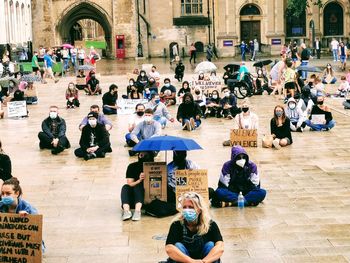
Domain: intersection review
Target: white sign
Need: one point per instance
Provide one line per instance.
(16, 109)
(127, 106)
(318, 119)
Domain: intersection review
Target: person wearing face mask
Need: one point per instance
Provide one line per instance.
(93, 85)
(53, 134)
(141, 81)
(109, 100)
(133, 192)
(201, 100)
(328, 75)
(321, 118)
(189, 113)
(72, 96)
(81, 79)
(305, 102)
(101, 119)
(228, 74)
(5, 165)
(168, 93)
(213, 105)
(134, 120)
(94, 141)
(184, 89)
(295, 116)
(160, 111)
(155, 75)
(239, 175)
(280, 128)
(135, 94)
(193, 236)
(229, 104)
(179, 71)
(246, 119)
(128, 88)
(151, 88)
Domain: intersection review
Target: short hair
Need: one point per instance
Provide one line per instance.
(53, 106)
(95, 106)
(149, 111)
(167, 79)
(154, 67)
(139, 104)
(112, 87)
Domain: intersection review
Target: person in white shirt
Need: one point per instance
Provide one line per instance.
(246, 119)
(343, 55)
(134, 120)
(154, 74)
(295, 115)
(81, 55)
(160, 111)
(335, 46)
(343, 88)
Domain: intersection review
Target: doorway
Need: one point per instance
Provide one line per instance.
(250, 30)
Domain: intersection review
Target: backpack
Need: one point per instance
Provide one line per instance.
(158, 208)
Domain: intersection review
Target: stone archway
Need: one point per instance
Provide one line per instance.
(85, 10)
(250, 19)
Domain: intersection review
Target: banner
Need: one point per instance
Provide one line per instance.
(127, 106)
(244, 138)
(20, 238)
(191, 181)
(207, 86)
(155, 182)
(16, 108)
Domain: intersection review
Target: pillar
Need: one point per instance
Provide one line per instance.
(3, 39)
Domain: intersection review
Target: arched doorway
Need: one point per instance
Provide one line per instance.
(333, 20)
(199, 46)
(69, 23)
(250, 23)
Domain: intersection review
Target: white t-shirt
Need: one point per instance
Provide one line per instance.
(334, 44)
(135, 119)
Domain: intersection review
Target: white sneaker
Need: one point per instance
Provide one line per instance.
(126, 215)
(276, 143)
(136, 216)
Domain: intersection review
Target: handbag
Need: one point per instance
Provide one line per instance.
(267, 141)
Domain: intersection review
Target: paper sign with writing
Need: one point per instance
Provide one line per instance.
(80, 81)
(16, 108)
(207, 86)
(192, 181)
(244, 137)
(20, 238)
(155, 182)
(127, 106)
(318, 119)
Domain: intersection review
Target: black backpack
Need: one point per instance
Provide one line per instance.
(158, 208)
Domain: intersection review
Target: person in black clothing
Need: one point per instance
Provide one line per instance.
(109, 100)
(93, 85)
(141, 81)
(94, 140)
(318, 47)
(53, 134)
(5, 165)
(189, 113)
(228, 75)
(81, 76)
(184, 89)
(280, 128)
(229, 104)
(304, 57)
(179, 71)
(132, 194)
(168, 93)
(135, 94)
(194, 236)
(214, 108)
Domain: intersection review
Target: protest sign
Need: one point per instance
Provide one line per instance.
(155, 182)
(318, 119)
(20, 238)
(244, 138)
(191, 181)
(207, 86)
(16, 108)
(127, 106)
(80, 81)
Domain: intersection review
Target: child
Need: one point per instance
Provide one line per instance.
(289, 79)
(343, 88)
(72, 95)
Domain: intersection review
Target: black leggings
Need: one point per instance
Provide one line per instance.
(132, 195)
(100, 153)
(45, 141)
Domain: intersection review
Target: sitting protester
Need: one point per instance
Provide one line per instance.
(295, 115)
(5, 165)
(328, 75)
(151, 88)
(343, 88)
(280, 128)
(135, 94)
(81, 76)
(229, 104)
(134, 120)
(160, 111)
(239, 175)
(53, 134)
(189, 113)
(185, 88)
(101, 119)
(179, 71)
(305, 102)
(72, 96)
(109, 100)
(168, 93)
(141, 81)
(30, 93)
(228, 75)
(93, 85)
(213, 105)
(246, 119)
(128, 88)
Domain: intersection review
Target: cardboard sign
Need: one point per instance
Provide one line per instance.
(318, 119)
(207, 86)
(20, 238)
(16, 108)
(127, 106)
(191, 181)
(244, 138)
(80, 81)
(155, 182)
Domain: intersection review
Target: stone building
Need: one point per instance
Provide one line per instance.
(151, 27)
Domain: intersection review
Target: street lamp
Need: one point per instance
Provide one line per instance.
(139, 45)
(209, 37)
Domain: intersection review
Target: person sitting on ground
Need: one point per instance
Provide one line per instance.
(151, 88)
(134, 120)
(280, 128)
(81, 76)
(109, 100)
(141, 81)
(321, 118)
(53, 134)
(201, 100)
(305, 102)
(128, 88)
(318, 87)
(343, 88)
(94, 141)
(229, 104)
(168, 93)
(133, 192)
(93, 85)
(295, 115)
(18, 95)
(238, 175)
(72, 96)
(160, 111)
(180, 162)
(5, 165)
(179, 71)
(135, 94)
(228, 75)
(346, 102)
(213, 105)
(184, 89)
(189, 113)
(101, 119)
(193, 236)
(155, 75)
(30, 93)
(328, 75)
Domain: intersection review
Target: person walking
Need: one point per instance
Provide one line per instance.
(243, 48)
(255, 49)
(175, 52)
(335, 47)
(193, 53)
(210, 52)
(318, 46)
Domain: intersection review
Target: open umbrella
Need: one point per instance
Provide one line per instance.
(69, 46)
(262, 63)
(31, 78)
(86, 67)
(234, 67)
(205, 67)
(309, 69)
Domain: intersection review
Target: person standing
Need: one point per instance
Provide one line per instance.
(193, 53)
(65, 57)
(304, 56)
(335, 47)
(243, 48)
(318, 48)
(343, 55)
(255, 49)
(210, 52)
(175, 52)
(48, 63)
(81, 55)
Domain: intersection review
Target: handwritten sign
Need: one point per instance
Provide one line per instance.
(207, 86)
(318, 119)
(155, 182)
(244, 138)
(191, 181)
(80, 81)
(127, 106)
(20, 238)
(16, 108)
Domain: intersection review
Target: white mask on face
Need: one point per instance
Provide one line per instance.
(53, 114)
(148, 119)
(292, 106)
(93, 123)
(227, 94)
(215, 97)
(241, 162)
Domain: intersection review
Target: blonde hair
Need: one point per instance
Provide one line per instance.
(204, 218)
(246, 102)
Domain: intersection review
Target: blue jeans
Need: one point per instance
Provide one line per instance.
(254, 197)
(304, 73)
(65, 63)
(197, 122)
(206, 249)
(130, 142)
(109, 111)
(320, 127)
(162, 120)
(335, 54)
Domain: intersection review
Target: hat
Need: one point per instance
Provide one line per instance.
(92, 115)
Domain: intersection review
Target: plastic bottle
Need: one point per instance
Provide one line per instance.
(240, 200)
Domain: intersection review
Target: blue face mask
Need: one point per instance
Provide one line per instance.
(7, 200)
(167, 84)
(189, 214)
(279, 113)
(157, 101)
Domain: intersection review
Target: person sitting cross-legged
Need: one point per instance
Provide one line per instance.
(189, 113)
(109, 100)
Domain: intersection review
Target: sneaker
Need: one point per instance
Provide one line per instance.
(57, 150)
(136, 216)
(126, 215)
(276, 144)
(229, 117)
(193, 124)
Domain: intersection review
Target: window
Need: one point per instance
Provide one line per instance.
(295, 25)
(249, 10)
(191, 7)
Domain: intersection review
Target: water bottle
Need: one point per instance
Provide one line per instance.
(240, 201)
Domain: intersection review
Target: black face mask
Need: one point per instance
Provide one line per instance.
(320, 102)
(198, 92)
(187, 101)
(140, 113)
(245, 109)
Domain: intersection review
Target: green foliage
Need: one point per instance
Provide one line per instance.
(297, 7)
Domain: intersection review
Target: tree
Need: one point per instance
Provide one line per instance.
(296, 7)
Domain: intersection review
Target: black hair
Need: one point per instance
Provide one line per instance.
(188, 84)
(167, 79)
(95, 106)
(139, 104)
(112, 87)
(149, 111)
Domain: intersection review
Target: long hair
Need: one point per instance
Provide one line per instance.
(72, 92)
(204, 218)
(283, 115)
(1, 150)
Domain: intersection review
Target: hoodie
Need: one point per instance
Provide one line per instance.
(238, 179)
(295, 115)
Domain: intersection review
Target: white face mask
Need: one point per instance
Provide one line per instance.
(241, 162)
(227, 94)
(93, 123)
(53, 114)
(148, 118)
(215, 97)
(292, 106)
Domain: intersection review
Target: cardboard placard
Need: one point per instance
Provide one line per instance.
(318, 119)
(80, 81)
(20, 238)
(207, 86)
(244, 137)
(127, 106)
(16, 108)
(191, 181)
(155, 182)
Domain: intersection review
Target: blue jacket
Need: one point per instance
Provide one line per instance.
(22, 206)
